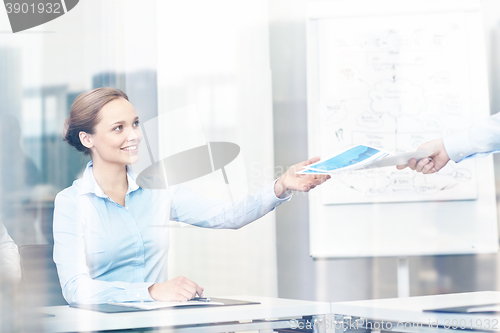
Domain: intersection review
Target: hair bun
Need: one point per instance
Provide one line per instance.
(65, 130)
(72, 136)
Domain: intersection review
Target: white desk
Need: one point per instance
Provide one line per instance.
(207, 319)
(410, 310)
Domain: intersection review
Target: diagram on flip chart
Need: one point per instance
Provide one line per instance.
(394, 82)
(395, 74)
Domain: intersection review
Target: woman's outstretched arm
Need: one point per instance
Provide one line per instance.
(190, 207)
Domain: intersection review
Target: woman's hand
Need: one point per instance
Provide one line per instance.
(296, 182)
(179, 289)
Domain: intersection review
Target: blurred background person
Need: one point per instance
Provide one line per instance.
(10, 277)
(10, 266)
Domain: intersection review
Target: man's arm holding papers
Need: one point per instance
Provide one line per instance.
(479, 140)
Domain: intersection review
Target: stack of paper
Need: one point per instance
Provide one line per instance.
(361, 157)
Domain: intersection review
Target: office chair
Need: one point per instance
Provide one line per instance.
(40, 282)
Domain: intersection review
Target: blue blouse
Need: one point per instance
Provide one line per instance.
(106, 252)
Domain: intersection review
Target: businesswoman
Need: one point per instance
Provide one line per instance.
(111, 235)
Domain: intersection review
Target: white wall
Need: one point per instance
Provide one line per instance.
(214, 56)
(491, 18)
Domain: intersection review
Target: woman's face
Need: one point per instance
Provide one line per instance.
(117, 135)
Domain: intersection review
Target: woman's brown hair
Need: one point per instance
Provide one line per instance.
(84, 114)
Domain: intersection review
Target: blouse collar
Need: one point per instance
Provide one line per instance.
(89, 185)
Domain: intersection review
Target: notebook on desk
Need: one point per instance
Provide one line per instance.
(151, 306)
(471, 309)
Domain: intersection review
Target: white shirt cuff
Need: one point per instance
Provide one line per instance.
(284, 197)
(458, 145)
(140, 292)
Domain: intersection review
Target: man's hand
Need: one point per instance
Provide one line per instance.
(438, 159)
(303, 183)
(179, 289)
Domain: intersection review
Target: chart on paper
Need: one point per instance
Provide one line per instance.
(391, 82)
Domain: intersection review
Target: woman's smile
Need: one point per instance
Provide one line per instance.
(132, 149)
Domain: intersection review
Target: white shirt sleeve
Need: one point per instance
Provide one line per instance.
(192, 208)
(10, 264)
(70, 258)
(479, 140)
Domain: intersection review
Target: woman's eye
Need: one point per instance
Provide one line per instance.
(136, 123)
(118, 128)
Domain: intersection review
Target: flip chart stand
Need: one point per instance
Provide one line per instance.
(403, 277)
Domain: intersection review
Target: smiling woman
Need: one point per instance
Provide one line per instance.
(104, 125)
(111, 235)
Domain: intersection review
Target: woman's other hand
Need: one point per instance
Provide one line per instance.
(179, 289)
(290, 180)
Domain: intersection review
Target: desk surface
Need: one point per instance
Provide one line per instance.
(410, 309)
(71, 319)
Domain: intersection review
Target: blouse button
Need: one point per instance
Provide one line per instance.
(126, 208)
(137, 295)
